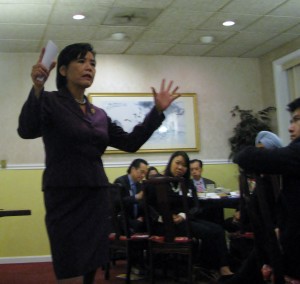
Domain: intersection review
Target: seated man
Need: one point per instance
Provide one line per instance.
(132, 194)
(200, 182)
(242, 244)
(211, 214)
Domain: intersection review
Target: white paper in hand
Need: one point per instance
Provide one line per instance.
(49, 55)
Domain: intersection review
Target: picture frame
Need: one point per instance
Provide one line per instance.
(179, 130)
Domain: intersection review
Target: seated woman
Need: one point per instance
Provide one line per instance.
(152, 171)
(213, 252)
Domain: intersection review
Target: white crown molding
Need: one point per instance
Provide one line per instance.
(24, 167)
(25, 259)
(110, 164)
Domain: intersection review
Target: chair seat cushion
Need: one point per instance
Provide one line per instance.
(137, 236)
(248, 235)
(161, 239)
(112, 236)
(140, 236)
(134, 237)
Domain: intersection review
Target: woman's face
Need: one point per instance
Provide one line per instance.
(152, 173)
(80, 72)
(178, 166)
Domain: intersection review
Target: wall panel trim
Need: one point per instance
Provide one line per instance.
(108, 165)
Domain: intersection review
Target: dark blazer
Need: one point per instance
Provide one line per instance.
(284, 161)
(128, 200)
(176, 204)
(74, 141)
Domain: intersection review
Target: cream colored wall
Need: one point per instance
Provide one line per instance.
(25, 236)
(267, 79)
(22, 235)
(225, 175)
(220, 84)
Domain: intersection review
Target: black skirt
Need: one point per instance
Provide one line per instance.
(77, 225)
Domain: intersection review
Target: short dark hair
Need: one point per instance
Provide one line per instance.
(197, 161)
(292, 106)
(136, 164)
(68, 54)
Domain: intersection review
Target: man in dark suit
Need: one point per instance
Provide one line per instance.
(132, 194)
(201, 183)
(212, 214)
(284, 161)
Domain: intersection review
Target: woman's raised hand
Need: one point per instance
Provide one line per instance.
(165, 96)
(39, 73)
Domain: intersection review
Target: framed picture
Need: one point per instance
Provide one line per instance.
(179, 130)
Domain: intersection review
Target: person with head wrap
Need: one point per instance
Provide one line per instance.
(284, 161)
(267, 140)
(241, 248)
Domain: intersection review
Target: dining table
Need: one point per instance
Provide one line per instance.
(213, 205)
(14, 212)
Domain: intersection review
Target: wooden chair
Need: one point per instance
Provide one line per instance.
(260, 206)
(157, 190)
(121, 238)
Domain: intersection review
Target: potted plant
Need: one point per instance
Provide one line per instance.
(250, 124)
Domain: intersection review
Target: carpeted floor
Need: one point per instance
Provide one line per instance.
(42, 273)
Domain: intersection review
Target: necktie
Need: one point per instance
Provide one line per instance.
(135, 206)
(200, 186)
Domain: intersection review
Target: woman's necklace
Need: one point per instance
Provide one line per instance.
(81, 102)
(175, 187)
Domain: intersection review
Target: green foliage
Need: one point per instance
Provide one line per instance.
(249, 125)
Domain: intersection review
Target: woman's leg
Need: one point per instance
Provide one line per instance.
(249, 272)
(213, 247)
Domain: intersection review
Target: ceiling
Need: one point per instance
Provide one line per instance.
(152, 27)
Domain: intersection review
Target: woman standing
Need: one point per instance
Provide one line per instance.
(75, 135)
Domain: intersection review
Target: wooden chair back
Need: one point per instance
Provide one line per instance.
(157, 198)
(121, 237)
(159, 203)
